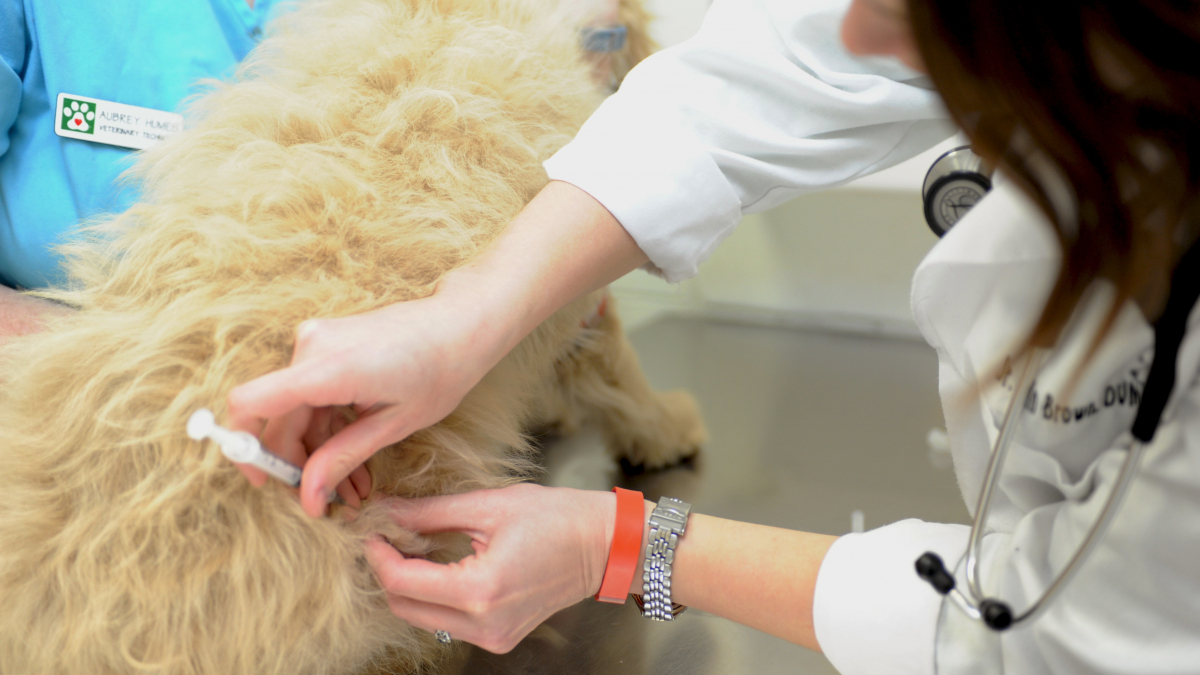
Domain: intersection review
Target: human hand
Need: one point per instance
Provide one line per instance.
(22, 314)
(406, 366)
(298, 434)
(537, 550)
(402, 368)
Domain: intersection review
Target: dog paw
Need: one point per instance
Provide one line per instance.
(629, 469)
(674, 435)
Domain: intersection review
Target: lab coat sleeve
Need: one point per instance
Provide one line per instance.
(871, 612)
(1128, 611)
(12, 62)
(761, 105)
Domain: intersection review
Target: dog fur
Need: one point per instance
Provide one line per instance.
(364, 149)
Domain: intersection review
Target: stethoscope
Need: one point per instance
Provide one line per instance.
(955, 182)
(957, 179)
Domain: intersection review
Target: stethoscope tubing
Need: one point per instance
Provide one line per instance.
(1169, 330)
(973, 605)
(995, 466)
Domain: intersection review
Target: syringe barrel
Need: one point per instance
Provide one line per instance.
(276, 466)
(244, 448)
(280, 468)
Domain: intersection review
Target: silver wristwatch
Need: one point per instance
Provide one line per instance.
(667, 525)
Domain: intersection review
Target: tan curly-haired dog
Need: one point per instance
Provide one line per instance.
(367, 147)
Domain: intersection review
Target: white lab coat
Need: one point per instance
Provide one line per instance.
(764, 104)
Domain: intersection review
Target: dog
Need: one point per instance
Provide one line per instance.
(364, 149)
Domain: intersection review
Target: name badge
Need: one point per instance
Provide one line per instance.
(127, 126)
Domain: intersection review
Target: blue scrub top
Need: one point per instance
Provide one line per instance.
(147, 53)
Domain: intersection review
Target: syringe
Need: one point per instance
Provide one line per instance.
(242, 447)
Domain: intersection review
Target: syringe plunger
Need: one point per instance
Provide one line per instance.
(241, 447)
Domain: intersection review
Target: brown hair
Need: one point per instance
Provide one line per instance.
(1105, 95)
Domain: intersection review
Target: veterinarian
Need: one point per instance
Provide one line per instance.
(134, 61)
(1058, 307)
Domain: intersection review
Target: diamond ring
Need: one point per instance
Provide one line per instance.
(442, 636)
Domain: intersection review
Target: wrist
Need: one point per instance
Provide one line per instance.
(563, 244)
(603, 516)
(498, 305)
(635, 587)
(625, 548)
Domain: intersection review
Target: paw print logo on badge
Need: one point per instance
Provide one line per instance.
(78, 116)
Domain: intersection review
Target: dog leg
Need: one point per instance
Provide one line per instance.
(601, 380)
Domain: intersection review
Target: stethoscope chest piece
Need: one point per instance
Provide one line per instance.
(954, 184)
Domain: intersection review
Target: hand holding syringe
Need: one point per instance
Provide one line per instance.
(244, 448)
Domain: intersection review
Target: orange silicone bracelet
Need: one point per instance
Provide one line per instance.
(626, 547)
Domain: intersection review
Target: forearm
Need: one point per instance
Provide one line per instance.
(758, 576)
(22, 314)
(539, 549)
(562, 245)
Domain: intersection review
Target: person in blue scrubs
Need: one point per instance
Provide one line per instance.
(137, 52)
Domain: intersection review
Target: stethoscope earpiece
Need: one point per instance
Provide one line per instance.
(995, 613)
(956, 181)
(931, 568)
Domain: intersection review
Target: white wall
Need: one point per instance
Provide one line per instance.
(840, 259)
(676, 20)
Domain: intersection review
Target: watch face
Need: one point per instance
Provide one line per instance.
(952, 201)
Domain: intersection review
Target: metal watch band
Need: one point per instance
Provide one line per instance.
(667, 524)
